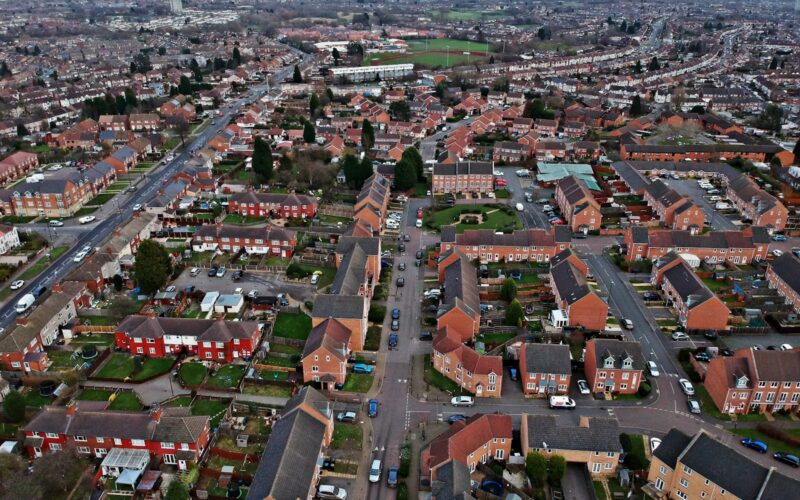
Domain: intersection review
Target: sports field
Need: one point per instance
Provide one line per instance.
(440, 52)
(468, 15)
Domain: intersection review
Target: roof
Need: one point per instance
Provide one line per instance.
(204, 329)
(352, 272)
(520, 238)
(601, 434)
(465, 437)
(330, 334)
(787, 268)
(671, 447)
(777, 366)
(452, 482)
(688, 285)
(547, 358)
(282, 199)
(268, 233)
(339, 306)
(449, 341)
(619, 350)
(569, 282)
(461, 285)
(464, 168)
(552, 172)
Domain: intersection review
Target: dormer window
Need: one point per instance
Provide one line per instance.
(627, 363)
(609, 362)
(741, 382)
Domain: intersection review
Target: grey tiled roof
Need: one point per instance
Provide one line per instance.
(787, 268)
(619, 350)
(672, 446)
(339, 306)
(601, 435)
(690, 288)
(569, 282)
(547, 358)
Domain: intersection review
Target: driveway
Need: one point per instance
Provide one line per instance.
(577, 484)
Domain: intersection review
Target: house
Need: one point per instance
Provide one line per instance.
(698, 308)
(22, 345)
(577, 305)
(510, 152)
(124, 241)
(701, 466)
(116, 123)
(172, 434)
(272, 205)
(372, 202)
(478, 439)
(463, 177)
(755, 204)
(475, 373)
(140, 122)
(460, 308)
(349, 310)
(674, 210)
(578, 205)
(209, 339)
(613, 366)
(16, 165)
(326, 353)
(9, 238)
(122, 159)
(269, 240)
(485, 245)
(545, 369)
(740, 247)
(358, 266)
(290, 464)
(594, 441)
(759, 381)
(783, 275)
(545, 127)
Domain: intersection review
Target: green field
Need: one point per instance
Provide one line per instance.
(467, 15)
(433, 53)
(492, 217)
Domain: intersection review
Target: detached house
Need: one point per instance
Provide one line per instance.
(613, 366)
(545, 369)
(326, 353)
(698, 308)
(578, 205)
(473, 372)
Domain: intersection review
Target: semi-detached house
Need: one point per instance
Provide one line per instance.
(613, 366)
(545, 369)
(577, 305)
(783, 275)
(578, 205)
(460, 308)
(476, 373)
(273, 205)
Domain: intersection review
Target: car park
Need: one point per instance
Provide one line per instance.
(16, 285)
(375, 471)
(462, 401)
(363, 368)
(562, 403)
(346, 416)
(755, 444)
(583, 387)
(686, 387)
(679, 337)
(373, 408)
(693, 405)
(653, 369)
(787, 458)
(331, 492)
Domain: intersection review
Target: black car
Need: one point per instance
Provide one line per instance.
(401, 282)
(401, 247)
(418, 262)
(651, 296)
(212, 272)
(702, 356)
(236, 276)
(710, 335)
(787, 458)
(406, 237)
(419, 254)
(425, 336)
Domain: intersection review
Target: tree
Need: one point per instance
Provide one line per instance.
(365, 170)
(313, 103)
(796, 151)
(162, 51)
(773, 64)
(411, 154)
(508, 290)
(285, 164)
(536, 467)
(351, 170)
(558, 466)
(367, 135)
(14, 406)
(678, 97)
(56, 472)
(535, 108)
(297, 77)
(181, 127)
(262, 159)
(177, 491)
(118, 282)
(185, 85)
(771, 118)
(624, 26)
(152, 267)
(637, 68)
(4, 70)
(653, 65)
(237, 56)
(336, 56)
(400, 110)
(700, 110)
(130, 97)
(515, 314)
(637, 109)
(121, 104)
(309, 134)
(405, 175)
(22, 131)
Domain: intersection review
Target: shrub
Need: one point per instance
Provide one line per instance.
(626, 442)
(777, 433)
(644, 389)
(693, 375)
(405, 460)
(295, 271)
(402, 491)
(309, 305)
(684, 355)
(377, 313)
(14, 406)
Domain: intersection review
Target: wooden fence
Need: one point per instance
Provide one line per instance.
(336, 210)
(78, 329)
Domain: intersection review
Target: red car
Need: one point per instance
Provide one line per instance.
(500, 182)
(419, 213)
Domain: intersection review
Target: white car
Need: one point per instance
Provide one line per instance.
(17, 284)
(680, 337)
(375, 471)
(331, 492)
(786, 347)
(777, 253)
(87, 219)
(462, 401)
(686, 387)
(56, 223)
(314, 279)
(79, 256)
(498, 173)
(547, 208)
(418, 223)
(137, 207)
(583, 386)
(520, 208)
(653, 369)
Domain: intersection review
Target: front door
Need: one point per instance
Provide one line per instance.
(37, 452)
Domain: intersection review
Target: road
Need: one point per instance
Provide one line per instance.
(697, 194)
(98, 231)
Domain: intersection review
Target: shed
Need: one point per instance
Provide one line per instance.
(229, 303)
(208, 302)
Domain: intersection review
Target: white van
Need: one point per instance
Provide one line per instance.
(375, 471)
(520, 208)
(25, 303)
(562, 403)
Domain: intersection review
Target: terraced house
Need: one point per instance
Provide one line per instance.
(463, 177)
(760, 381)
(326, 353)
(577, 305)
(372, 202)
(16, 165)
(460, 309)
(273, 205)
(578, 205)
(740, 247)
(485, 245)
(268, 240)
(783, 274)
(209, 339)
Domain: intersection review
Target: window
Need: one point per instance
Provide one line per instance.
(168, 445)
(601, 374)
(83, 449)
(80, 438)
(498, 454)
(608, 466)
(659, 484)
(596, 467)
(137, 442)
(684, 483)
(662, 470)
(681, 495)
(610, 454)
(55, 446)
(170, 459)
(52, 435)
(117, 442)
(687, 470)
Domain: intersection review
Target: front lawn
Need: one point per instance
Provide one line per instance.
(358, 382)
(239, 219)
(124, 400)
(772, 443)
(436, 379)
(227, 377)
(101, 199)
(85, 211)
(40, 265)
(192, 374)
(292, 326)
(495, 217)
(346, 436)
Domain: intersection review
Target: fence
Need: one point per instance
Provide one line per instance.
(99, 362)
(336, 210)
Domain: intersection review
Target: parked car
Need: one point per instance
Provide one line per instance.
(420, 254)
(562, 403)
(786, 347)
(373, 408)
(651, 296)
(392, 341)
(702, 356)
(520, 207)
(515, 274)
(455, 418)
(237, 275)
(686, 387)
(363, 368)
(628, 324)
(401, 282)
(395, 313)
(787, 458)
(583, 387)
(86, 219)
(212, 272)
(711, 335)
(194, 272)
(16, 285)
(726, 352)
(56, 223)
(779, 237)
(391, 478)
(402, 266)
(428, 336)
(693, 405)
(653, 369)
(375, 471)
(513, 374)
(759, 446)
(221, 272)
(331, 492)
(679, 337)
(314, 279)
(462, 401)
(395, 325)
(346, 416)
(777, 253)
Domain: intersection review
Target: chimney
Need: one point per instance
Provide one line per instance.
(155, 415)
(584, 422)
(72, 408)
(57, 288)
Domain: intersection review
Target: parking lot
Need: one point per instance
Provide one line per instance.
(265, 283)
(689, 187)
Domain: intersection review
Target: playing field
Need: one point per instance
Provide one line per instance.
(444, 52)
(467, 15)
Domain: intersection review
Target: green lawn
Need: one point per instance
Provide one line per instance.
(17, 219)
(227, 377)
(715, 285)
(85, 211)
(436, 379)
(530, 279)
(496, 338)
(327, 277)
(346, 436)
(211, 408)
(40, 265)
(8, 430)
(238, 219)
(280, 361)
(285, 349)
(292, 326)
(121, 366)
(275, 391)
(101, 199)
(192, 373)
(772, 443)
(181, 401)
(433, 52)
(118, 185)
(707, 404)
(492, 218)
(63, 360)
(98, 320)
(358, 382)
(373, 340)
(91, 394)
(273, 375)
(36, 400)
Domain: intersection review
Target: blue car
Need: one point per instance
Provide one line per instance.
(373, 408)
(395, 313)
(391, 479)
(779, 237)
(455, 418)
(515, 275)
(759, 446)
(362, 368)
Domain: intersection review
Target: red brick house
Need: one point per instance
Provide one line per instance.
(674, 210)
(613, 366)
(140, 122)
(577, 304)
(272, 205)
(172, 435)
(463, 177)
(578, 205)
(759, 381)
(485, 245)
(475, 373)
(739, 247)
(698, 308)
(545, 369)
(211, 340)
(268, 240)
(326, 353)
(460, 308)
(783, 275)
(16, 165)
(755, 204)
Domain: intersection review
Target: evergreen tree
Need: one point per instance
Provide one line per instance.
(365, 170)
(262, 159)
(774, 63)
(237, 56)
(352, 173)
(185, 86)
(367, 135)
(313, 103)
(4, 70)
(14, 406)
(508, 290)
(152, 267)
(405, 175)
(536, 466)
(796, 151)
(637, 68)
(411, 155)
(558, 466)
(653, 65)
(130, 98)
(22, 130)
(336, 56)
(121, 103)
(515, 314)
(297, 77)
(285, 164)
(637, 108)
(309, 134)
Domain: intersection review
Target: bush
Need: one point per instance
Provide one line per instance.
(644, 389)
(405, 460)
(777, 433)
(626, 442)
(377, 313)
(14, 406)
(693, 375)
(295, 271)
(684, 355)
(402, 491)
(309, 305)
